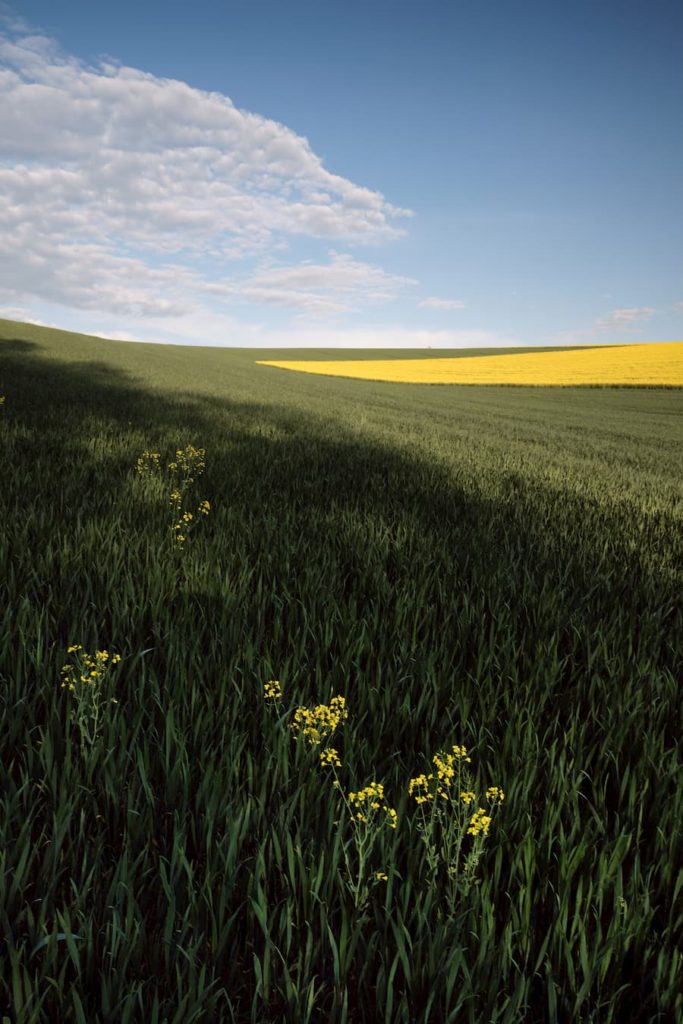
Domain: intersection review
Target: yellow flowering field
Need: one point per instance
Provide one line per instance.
(655, 364)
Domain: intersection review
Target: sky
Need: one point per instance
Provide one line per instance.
(359, 174)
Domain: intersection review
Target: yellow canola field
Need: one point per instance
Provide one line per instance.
(654, 364)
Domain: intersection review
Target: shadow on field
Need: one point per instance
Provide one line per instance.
(460, 599)
(286, 456)
(268, 459)
(269, 456)
(17, 346)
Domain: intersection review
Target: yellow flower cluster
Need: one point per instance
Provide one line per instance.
(479, 822)
(419, 788)
(185, 467)
(186, 521)
(449, 792)
(183, 526)
(147, 462)
(316, 724)
(445, 769)
(369, 800)
(367, 810)
(420, 784)
(86, 678)
(448, 767)
(272, 690)
(90, 669)
(448, 764)
(188, 461)
(181, 472)
(371, 794)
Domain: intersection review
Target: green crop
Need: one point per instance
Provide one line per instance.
(493, 567)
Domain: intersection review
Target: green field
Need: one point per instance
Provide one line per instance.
(493, 567)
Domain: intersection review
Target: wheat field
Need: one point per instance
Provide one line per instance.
(324, 700)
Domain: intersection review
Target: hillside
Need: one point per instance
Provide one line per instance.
(490, 568)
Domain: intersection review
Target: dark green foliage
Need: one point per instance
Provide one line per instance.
(493, 567)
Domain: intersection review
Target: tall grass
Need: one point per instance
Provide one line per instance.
(494, 569)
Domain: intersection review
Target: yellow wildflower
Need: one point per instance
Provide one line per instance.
(316, 724)
(461, 753)
(370, 799)
(479, 822)
(420, 781)
(272, 690)
(494, 793)
(147, 461)
(445, 767)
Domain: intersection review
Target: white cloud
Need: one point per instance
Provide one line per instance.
(619, 319)
(23, 315)
(433, 303)
(339, 286)
(620, 322)
(385, 337)
(125, 193)
(216, 329)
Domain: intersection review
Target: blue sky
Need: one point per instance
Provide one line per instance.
(383, 173)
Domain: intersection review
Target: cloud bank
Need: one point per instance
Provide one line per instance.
(332, 288)
(129, 195)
